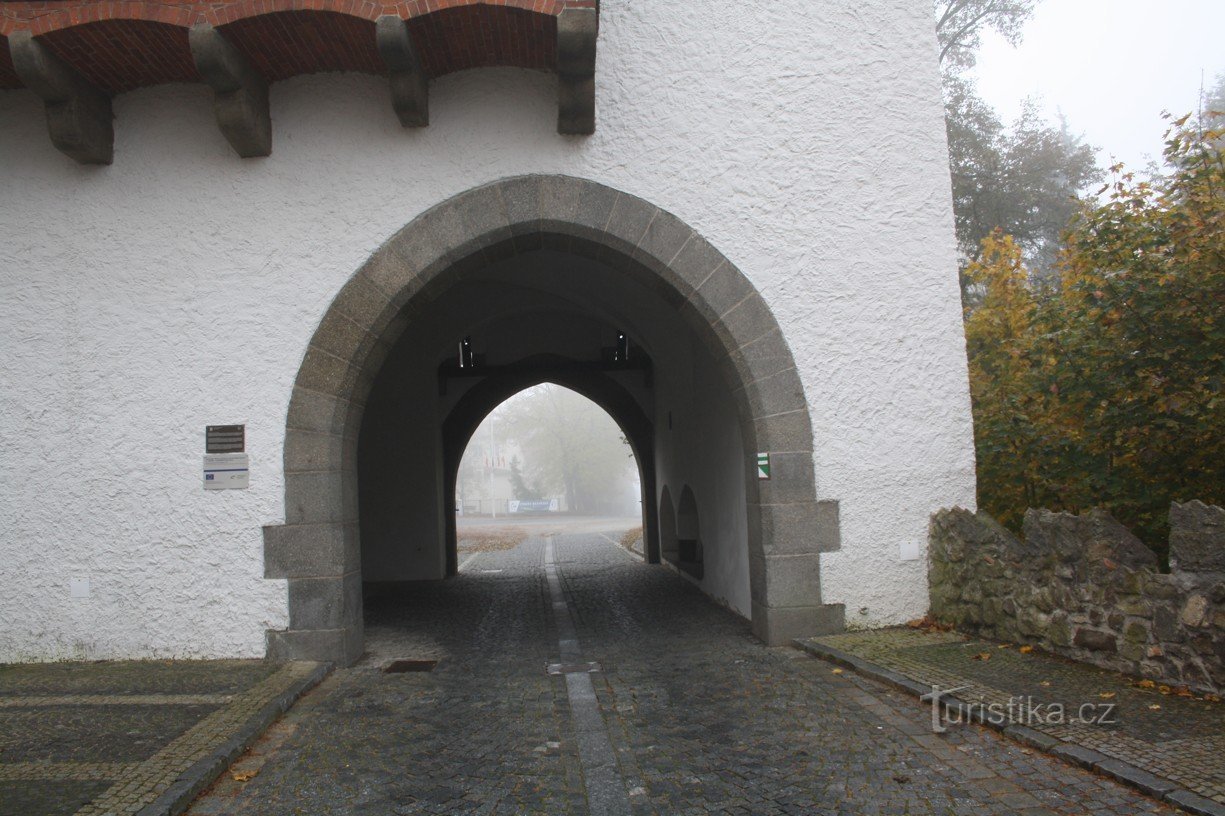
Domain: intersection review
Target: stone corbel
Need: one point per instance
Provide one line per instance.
(79, 116)
(410, 90)
(577, 30)
(240, 93)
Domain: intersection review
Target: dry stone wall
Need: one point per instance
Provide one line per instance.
(1086, 588)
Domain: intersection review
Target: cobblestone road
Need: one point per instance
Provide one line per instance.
(694, 715)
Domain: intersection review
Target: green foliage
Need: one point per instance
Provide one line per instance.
(1108, 390)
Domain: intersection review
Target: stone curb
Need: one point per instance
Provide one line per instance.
(1133, 777)
(175, 799)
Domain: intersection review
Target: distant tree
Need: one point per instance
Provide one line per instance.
(570, 445)
(518, 484)
(1022, 180)
(1212, 107)
(960, 23)
(470, 482)
(1214, 97)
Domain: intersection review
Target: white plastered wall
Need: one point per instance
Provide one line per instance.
(180, 286)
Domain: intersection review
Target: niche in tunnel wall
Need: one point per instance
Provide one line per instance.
(688, 535)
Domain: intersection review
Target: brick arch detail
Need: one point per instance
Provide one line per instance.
(120, 46)
(317, 547)
(44, 17)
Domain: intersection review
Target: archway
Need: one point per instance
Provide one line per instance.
(605, 392)
(549, 458)
(659, 267)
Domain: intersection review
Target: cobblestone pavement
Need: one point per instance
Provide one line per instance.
(1181, 739)
(111, 738)
(694, 715)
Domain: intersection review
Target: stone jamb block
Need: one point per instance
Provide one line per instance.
(316, 497)
(786, 580)
(792, 479)
(311, 550)
(796, 529)
(781, 626)
(322, 646)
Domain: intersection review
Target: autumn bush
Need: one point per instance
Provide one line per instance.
(1105, 388)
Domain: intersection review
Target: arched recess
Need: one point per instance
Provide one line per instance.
(668, 548)
(317, 547)
(688, 534)
(471, 410)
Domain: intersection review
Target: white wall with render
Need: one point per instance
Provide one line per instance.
(180, 286)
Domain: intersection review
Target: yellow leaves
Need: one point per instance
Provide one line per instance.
(1025, 649)
(243, 776)
(1108, 695)
(1155, 707)
(983, 656)
(835, 671)
(1146, 684)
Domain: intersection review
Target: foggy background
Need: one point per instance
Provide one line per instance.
(548, 450)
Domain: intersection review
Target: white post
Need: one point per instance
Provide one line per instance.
(493, 461)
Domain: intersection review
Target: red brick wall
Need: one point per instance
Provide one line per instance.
(125, 45)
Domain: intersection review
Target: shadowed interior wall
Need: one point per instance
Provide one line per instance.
(547, 304)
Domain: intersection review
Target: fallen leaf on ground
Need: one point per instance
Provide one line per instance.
(243, 776)
(981, 656)
(1107, 695)
(1004, 646)
(1146, 684)
(1046, 683)
(835, 671)
(1025, 649)
(1155, 707)
(929, 625)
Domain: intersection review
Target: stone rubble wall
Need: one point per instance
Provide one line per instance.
(1084, 587)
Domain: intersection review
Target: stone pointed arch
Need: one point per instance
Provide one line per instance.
(610, 396)
(317, 547)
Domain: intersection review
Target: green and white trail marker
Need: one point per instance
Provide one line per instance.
(763, 466)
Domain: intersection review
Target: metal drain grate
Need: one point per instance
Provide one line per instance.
(401, 666)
